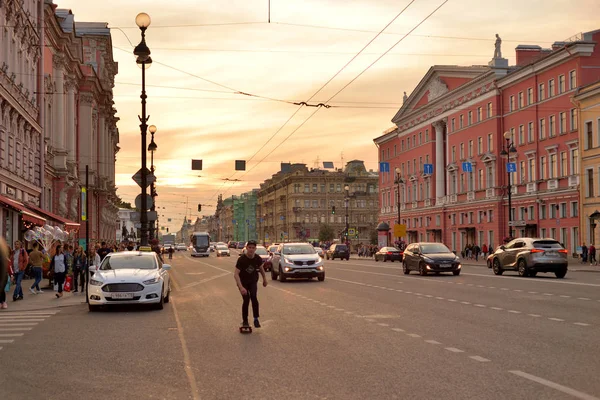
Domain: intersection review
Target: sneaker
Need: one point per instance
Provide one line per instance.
(256, 323)
(4, 306)
(32, 291)
(40, 291)
(245, 324)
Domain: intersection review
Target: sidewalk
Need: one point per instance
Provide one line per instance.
(42, 301)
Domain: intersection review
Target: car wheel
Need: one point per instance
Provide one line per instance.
(168, 296)
(321, 278)
(376, 259)
(160, 304)
(93, 308)
(561, 273)
(456, 273)
(497, 268)
(522, 266)
(282, 278)
(347, 258)
(422, 269)
(405, 268)
(489, 264)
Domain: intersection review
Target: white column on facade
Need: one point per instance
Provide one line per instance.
(440, 166)
(102, 158)
(85, 130)
(59, 103)
(70, 86)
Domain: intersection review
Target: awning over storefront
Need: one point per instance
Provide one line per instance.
(25, 212)
(69, 225)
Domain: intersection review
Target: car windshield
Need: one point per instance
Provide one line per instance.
(298, 249)
(547, 244)
(389, 249)
(434, 248)
(221, 247)
(273, 248)
(129, 261)
(201, 240)
(261, 251)
(341, 247)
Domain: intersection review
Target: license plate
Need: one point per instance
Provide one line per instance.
(552, 253)
(305, 270)
(122, 295)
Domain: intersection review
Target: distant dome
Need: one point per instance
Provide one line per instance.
(383, 227)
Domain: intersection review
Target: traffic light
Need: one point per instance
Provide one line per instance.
(199, 207)
(333, 209)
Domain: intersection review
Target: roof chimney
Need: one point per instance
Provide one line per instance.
(526, 54)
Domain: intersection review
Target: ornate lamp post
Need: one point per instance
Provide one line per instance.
(398, 181)
(347, 201)
(508, 150)
(152, 147)
(143, 60)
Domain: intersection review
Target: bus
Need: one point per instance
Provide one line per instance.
(200, 244)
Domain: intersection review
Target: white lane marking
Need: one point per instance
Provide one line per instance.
(349, 312)
(16, 313)
(382, 324)
(491, 287)
(432, 342)
(330, 306)
(6, 341)
(186, 354)
(505, 288)
(339, 309)
(556, 282)
(497, 308)
(459, 283)
(548, 294)
(480, 305)
(397, 330)
(413, 335)
(452, 300)
(407, 292)
(534, 315)
(440, 298)
(516, 290)
(2, 329)
(478, 358)
(207, 264)
(189, 285)
(20, 324)
(5, 316)
(554, 385)
(480, 286)
(583, 298)
(195, 273)
(454, 350)
(565, 296)
(532, 292)
(428, 295)
(556, 319)
(514, 311)
(370, 320)
(465, 302)
(21, 320)
(11, 334)
(581, 324)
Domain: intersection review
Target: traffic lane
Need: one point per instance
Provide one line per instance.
(308, 350)
(574, 287)
(188, 272)
(517, 340)
(79, 354)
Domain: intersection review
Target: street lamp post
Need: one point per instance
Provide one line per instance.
(143, 60)
(508, 150)
(398, 181)
(152, 147)
(347, 201)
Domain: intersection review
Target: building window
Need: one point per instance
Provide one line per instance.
(331, 188)
(453, 153)
(462, 183)
(480, 179)
(529, 96)
(470, 148)
(338, 188)
(553, 211)
(479, 114)
(561, 84)
(553, 171)
(521, 100)
(563, 123)
(453, 124)
(462, 151)
(541, 92)
(306, 188)
(420, 138)
(402, 145)
(572, 80)
(512, 135)
(563, 210)
(530, 132)
(574, 161)
(573, 119)
(315, 204)
(574, 209)
(388, 153)
(382, 155)
(590, 182)
(542, 167)
(408, 143)
(322, 188)
(426, 135)
(521, 134)
(563, 164)
(420, 164)
(490, 176)
(395, 152)
(552, 126)
(315, 188)
(523, 173)
(490, 143)
(532, 170)
(551, 88)
(542, 129)
(479, 145)
(461, 121)
(490, 113)
(589, 135)
(470, 117)
(511, 104)
(543, 214)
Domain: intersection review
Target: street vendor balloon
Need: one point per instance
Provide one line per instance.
(29, 235)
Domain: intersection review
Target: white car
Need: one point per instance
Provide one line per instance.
(320, 252)
(130, 277)
(223, 250)
(181, 247)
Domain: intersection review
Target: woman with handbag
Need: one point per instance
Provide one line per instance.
(5, 273)
(59, 266)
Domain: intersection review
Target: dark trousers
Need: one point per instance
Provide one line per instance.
(252, 289)
(59, 279)
(78, 277)
(38, 272)
(2, 292)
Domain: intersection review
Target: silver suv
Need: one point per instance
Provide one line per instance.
(529, 256)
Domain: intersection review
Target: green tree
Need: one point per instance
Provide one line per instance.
(326, 233)
(373, 237)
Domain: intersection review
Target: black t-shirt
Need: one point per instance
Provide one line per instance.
(103, 252)
(249, 268)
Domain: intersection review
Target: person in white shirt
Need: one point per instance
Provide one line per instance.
(95, 261)
(58, 264)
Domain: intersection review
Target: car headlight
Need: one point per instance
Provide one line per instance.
(95, 282)
(151, 281)
(287, 261)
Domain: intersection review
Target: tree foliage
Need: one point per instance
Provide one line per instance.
(326, 233)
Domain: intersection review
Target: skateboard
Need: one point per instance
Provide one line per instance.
(245, 329)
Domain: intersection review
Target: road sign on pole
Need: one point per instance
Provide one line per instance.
(138, 202)
(428, 169)
(399, 230)
(150, 178)
(467, 166)
(511, 167)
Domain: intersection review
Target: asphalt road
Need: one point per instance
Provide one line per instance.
(367, 332)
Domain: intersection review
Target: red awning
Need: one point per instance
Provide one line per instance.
(26, 214)
(69, 225)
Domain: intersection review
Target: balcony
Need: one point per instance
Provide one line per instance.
(415, 204)
(514, 189)
(490, 193)
(470, 196)
(452, 198)
(531, 187)
(427, 203)
(552, 184)
(573, 180)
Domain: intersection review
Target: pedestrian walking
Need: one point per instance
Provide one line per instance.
(171, 251)
(476, 251)
(592, 254)
(20, 259)
(5, 273)
(59, 266)
(584, 253)
(36, 257)
(484, 250)
(79, 268)
(246, 276)
(103, 251)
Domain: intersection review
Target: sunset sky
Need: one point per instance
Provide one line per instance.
(230, 42)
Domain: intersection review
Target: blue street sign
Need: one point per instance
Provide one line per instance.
(384, 167)
(511, 167)
(467, 166)
(428, 169)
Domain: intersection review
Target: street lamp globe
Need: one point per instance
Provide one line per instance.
(398, 170)
(507, 135)
(142, 20)
(144, 63)
(152, 129)
(346, 188)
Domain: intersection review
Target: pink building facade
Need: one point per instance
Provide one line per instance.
(457, 119)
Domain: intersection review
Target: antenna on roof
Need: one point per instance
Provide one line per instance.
(317, 161)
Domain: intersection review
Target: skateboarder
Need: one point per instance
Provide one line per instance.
(246, 276)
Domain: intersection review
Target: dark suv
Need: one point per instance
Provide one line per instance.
(338, 251)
